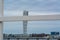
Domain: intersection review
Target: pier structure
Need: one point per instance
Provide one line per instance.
(23, 18)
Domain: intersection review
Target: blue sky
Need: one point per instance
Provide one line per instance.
(35, 7)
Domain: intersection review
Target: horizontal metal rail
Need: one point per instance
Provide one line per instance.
(31, 18)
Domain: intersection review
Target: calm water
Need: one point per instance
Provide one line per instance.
(30, 39)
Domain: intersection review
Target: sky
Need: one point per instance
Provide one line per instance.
(16, 7)
(34, 7)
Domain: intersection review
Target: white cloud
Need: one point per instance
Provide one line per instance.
(47, 5)
(12, 13)
(20, 13)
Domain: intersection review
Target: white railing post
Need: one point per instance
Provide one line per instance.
(1, 22)
(1, 30)
(1, 7)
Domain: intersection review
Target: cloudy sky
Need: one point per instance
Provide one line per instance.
(16, 7)
(35, 7)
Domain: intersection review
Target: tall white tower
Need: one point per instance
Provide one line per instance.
(25, 13)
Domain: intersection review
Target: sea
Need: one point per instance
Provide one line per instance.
(30, 39)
